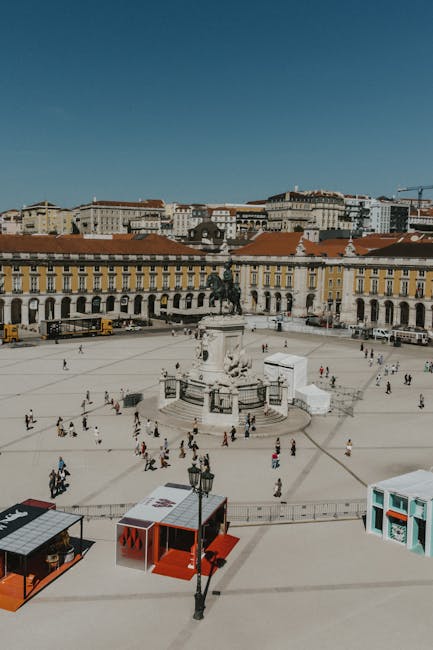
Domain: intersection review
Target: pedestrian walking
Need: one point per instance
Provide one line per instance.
(155, 430)
(321, 371)
(253, 423)
(65, 365)
(80, 349)
(195, 427)
(190, 439)
(97, 435)
(83, 407)
(52, 484)
(149, 427)
(388, 388)
(233, 433)
(293, 447)
(84, 423)
(225, 442)
(378, 379)
(143, 448)
(371, 353)
(409, 380)
(72, 431)
(405, 379)
(149, 462)
(27, 421)
(106, 397)
(333, 380)
(194, 450)
(278, 446)
(122, 394)
(421, 401)
(326, 372)
(266, 408)
(277, 488)
(60, 464)
(166, 449)
(182, 452)
(361, 347)
(348, 451)
(88, 397)
(31, 416)
(285, 343)
(137, 418)
(275, 460)
(247, 428)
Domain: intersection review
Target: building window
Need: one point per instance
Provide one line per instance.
(34, 283)
(390, 271)
(96, 283)
(152, 283)
(66, 268)
(267, 279)
(289, 281)
(421, 273)
(80, 268)
(111, 282)
(190, 281)
(97, 269)
(166, 282)
(66, 283)
(330, 283)
(389, 287)
(50, 283)
(277, 280)
(125, 282)
(140, 267)
(360, 285)
(404, 286)
(111, 267)
(375, 271)
(81, 283)
(361, 271)
(139, 282)
(33, 268)
(16, 267)
(178, 281)
(126, 267)
(405, 272)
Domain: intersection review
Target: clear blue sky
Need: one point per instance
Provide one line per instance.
(213, 101)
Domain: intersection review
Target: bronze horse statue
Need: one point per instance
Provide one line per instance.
(224, 291)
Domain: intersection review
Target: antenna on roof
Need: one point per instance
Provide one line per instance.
(94, 199)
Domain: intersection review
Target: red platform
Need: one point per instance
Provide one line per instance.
(174, 563)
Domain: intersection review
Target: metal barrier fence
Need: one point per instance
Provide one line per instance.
(220, 402)
(192, 392)
(275, 393)
(251, 397)
(251, 513)
(170, 387)
(255, 513)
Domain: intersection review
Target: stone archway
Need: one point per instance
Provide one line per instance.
(289, 303)
(310, 301)
(65, 308)
(110, 303)
(254, 299)
(49, 308)
(2, 311)
(360, 310)
(200, 299)
(374, 311)
(188, 301)
(404, 313)
(124, 304)
(277, 302)
(151, 305)
(16, 311)
(96, 305)
(176, 300)
(163, 303)
(419, 315)
(81, 305)
(138, 305)
(267, 301)
(33, 309)
(389, 312)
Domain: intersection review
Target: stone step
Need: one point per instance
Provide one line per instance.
(187, 412)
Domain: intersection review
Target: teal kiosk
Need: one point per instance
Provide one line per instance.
(400, 510)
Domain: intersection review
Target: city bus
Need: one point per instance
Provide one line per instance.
(9, 333)
(78, 326)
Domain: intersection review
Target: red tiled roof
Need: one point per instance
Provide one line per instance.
(77, 244)
(277, 244)
(148, 203)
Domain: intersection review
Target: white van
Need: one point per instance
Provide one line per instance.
(381, 333)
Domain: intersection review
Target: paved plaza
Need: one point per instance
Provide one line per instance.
(300, 586)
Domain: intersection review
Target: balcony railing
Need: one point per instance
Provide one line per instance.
(373, 293)
(51, 290)
(35, 291)
(17, 291)
(403, 294)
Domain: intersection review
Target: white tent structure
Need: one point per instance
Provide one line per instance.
(288, 367)
(318, 401)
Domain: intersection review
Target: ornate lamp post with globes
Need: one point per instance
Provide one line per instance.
(201, 483)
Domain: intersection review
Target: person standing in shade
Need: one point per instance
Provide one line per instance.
(97, 435)
(52, 484)
(293, 447)
(72, 432)
(27, 421)
(348, 451)
(388, 388)
(106, 397)
(156, 430)
(80, 349)
(136, 418)
(277, 488)
(233, 433)
(278, 446)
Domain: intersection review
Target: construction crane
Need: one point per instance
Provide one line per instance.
(419, 189)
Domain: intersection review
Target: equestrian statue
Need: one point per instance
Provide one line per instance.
(224, 289)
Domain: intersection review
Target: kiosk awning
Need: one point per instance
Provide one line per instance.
(23, 528)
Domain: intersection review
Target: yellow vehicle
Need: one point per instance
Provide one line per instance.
(79, 326)
(9, 333)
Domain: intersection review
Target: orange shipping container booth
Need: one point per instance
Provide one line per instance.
(160, 533)
(35, 548)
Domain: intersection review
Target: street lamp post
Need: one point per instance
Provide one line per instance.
(201, 483)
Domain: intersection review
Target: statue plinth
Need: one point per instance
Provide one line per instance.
(219, 353)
